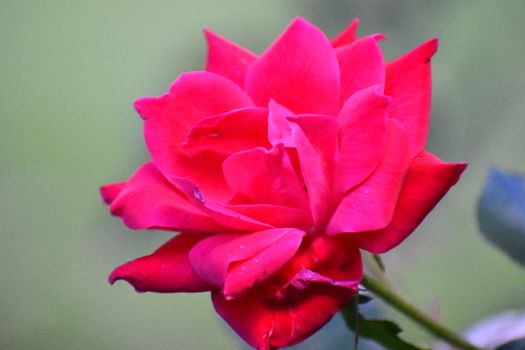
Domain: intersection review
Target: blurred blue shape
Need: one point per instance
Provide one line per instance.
(501, 212)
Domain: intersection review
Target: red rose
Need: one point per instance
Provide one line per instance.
(276, 169)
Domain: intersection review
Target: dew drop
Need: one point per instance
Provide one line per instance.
(198, 195)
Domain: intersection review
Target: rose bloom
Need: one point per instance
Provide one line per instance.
(276, 169)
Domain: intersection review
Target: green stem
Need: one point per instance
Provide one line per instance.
(400, 304)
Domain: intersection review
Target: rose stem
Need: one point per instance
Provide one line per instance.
(381, 288)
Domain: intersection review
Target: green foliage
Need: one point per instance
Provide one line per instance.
(383, 332)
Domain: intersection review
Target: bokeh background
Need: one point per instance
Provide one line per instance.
(69, 72)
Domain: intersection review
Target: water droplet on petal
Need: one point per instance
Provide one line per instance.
(198, 195)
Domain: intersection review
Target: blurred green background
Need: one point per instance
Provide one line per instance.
(69, 72)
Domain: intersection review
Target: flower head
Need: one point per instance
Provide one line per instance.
(276, 169)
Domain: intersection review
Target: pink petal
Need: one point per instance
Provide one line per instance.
(220, 212)
(347, 36)
(230, 132)
(322, 259)
(110, 191)
(299, 71)
(408, 82)
(265, 177)
(361, 65)
(276, 215)
(306, 277)
(227, 58)
(362, 137)
(169, 118)
(148, 200)
(327, 273)
(370, 206)
(427, 181)
(167, 270)
(271, 324)
(235, 262)
(316, 139)
(279, 129)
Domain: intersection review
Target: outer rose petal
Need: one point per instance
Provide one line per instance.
(271, 324)
(299, 71)
(167, 270)
(230, 132)
(226, 58)
(428, 180)
(265, 177)
(316, 141)
(193, 97)
(362, 137)
(148, 200)
(288, 308)
(408, 82)
(347, 36)
(110, 191)
(371, 205)
(235, 262)
(361, 65)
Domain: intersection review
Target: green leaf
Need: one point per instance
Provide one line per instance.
(364, 298)
(385, 333)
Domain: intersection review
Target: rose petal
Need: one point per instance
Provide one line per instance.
(227, 58)
(148, 200)
(110, 191)
(193, 97)
(167, 270)
(361, 65)
(299, 71)
(347, 36)
(408, 82)
(245, 274)
(265, 177)
(322, 259)
(427, 181)
(316, 139)
(362, 137)
(279, 129)
(230, 132)
(271, 324)
(235, 262)
(370, 206)
(220, 213)
(301, 306)
(276, 215)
